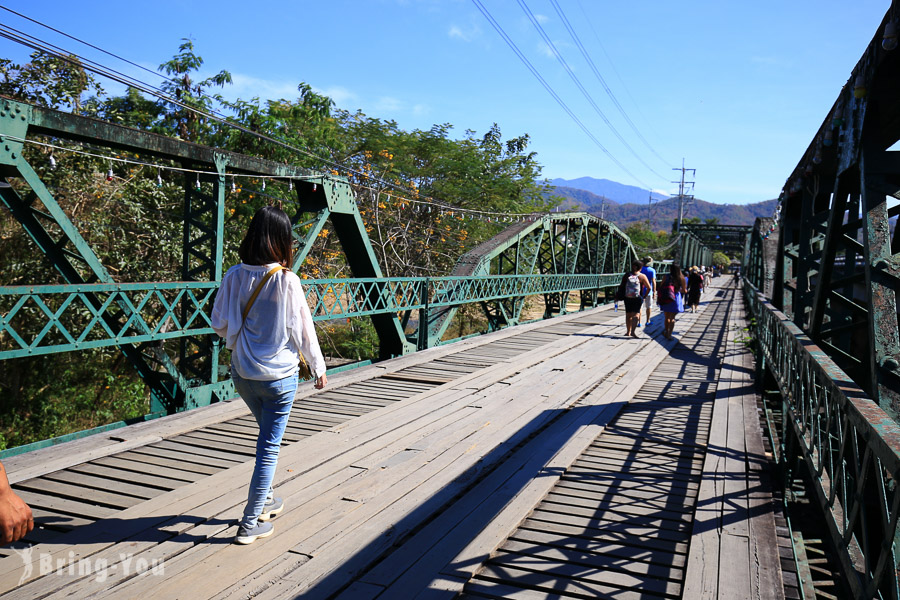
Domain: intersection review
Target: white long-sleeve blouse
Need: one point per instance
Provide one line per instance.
(278, 326)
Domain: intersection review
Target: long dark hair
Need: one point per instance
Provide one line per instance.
(675, 276)
(268, 238)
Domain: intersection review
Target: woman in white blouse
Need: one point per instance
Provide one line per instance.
(265, 350)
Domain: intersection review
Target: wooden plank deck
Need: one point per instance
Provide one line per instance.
(556, 459)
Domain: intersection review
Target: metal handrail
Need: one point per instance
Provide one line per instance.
(72, 314)
(850, 448)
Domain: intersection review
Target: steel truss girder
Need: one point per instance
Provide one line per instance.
(830, 337)
(724, 238)
(837, 267)
(195, 380)
(692, 251)
(556, 244)
(847, 444)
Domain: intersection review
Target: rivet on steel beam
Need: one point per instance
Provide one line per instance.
(881, 263)
(890, 363)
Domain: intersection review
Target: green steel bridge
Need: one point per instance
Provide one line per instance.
(819, 281)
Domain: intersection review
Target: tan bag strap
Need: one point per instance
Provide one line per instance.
(259, 286)
(305, 371)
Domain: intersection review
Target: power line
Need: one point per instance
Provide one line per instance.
(580, 86)
(550, 90)
(600, 78)
(616, 71)
(79, 40)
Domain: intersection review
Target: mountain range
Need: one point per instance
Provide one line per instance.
(625, 205)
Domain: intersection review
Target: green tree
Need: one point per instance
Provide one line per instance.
(184, 118)
(720, 259)
(60, 83)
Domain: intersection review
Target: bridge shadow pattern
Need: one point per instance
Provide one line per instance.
(618, 523)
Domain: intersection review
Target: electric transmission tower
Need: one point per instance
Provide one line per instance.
(682, 197)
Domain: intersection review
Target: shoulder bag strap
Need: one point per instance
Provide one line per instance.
(259, 286)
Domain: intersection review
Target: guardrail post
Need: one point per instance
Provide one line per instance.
(423, 339)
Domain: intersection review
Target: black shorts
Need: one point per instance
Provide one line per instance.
(633, 305)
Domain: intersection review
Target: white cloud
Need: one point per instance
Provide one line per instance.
(546, 50)
(247, 86)
(541, 18)
(466, 35)
(342, 96)
(387, 103)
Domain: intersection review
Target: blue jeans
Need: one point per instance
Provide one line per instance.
(270, 402)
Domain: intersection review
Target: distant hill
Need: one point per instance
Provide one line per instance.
(612, 190)
(662, 213)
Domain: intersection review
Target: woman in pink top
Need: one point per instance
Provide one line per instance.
(266, 347)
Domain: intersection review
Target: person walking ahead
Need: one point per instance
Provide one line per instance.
(671, 298)
(262, 313)
(650, 272)
(630, 290)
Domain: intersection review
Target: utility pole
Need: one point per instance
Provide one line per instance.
(681, 194)
(602, 208)
(649, 210)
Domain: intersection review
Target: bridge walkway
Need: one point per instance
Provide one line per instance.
(556, 459)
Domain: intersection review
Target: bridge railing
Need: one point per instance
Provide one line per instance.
(848, 445)
(72, 315)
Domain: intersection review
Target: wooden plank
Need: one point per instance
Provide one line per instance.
(213, 443)
(221, 437)
(552, 583)
(133, 466)
(556, 565)
(736, 513)
(609, 519)
(101, 483)
(618, 549)
(194, 453)
(639, 494)
(166, 462)
(54, 520)
(701, 579)
(117, 474)
(64, 505)
(734, 566)
(612, 500)
(589, 558)
(106, 497)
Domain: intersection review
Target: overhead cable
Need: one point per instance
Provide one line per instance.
(580, 86)
(618, 75)
(551, 91)
(609, 92)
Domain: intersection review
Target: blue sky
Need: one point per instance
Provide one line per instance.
(736, 89)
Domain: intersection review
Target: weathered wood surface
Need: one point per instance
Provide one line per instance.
(734, 548)
(422, 488)
(622, 513)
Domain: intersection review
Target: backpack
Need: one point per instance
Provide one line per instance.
(665, 291)
(633, 286)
